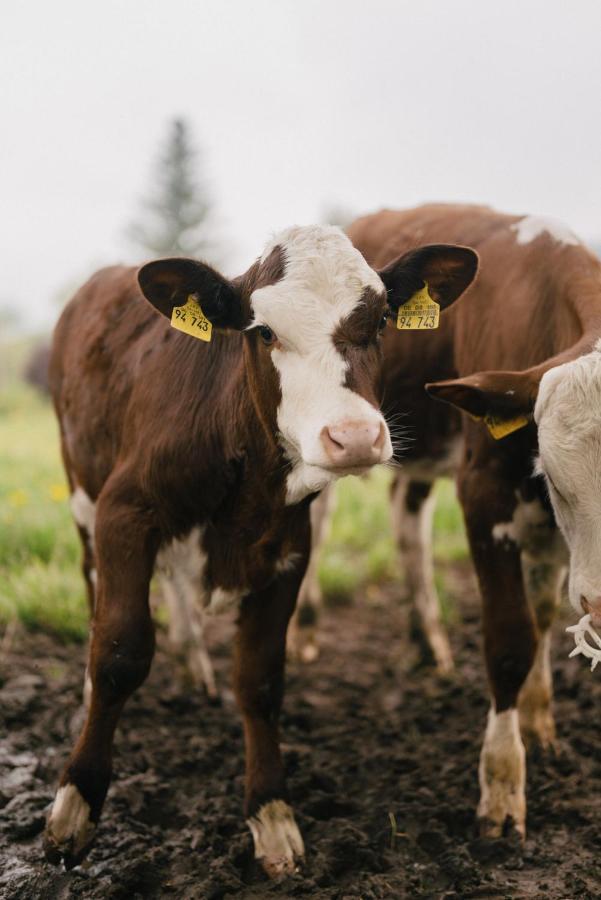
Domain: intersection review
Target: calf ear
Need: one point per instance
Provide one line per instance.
(167, 283)
(446, 269)
(502, 394)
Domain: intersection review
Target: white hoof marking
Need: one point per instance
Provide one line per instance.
(69, 825)
(87, 694)
(502, 773)
(278, 842)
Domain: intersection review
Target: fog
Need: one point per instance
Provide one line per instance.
(297, 106)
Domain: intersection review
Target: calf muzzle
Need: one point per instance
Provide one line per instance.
(355, 443)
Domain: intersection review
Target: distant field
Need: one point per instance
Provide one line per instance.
(40, 581)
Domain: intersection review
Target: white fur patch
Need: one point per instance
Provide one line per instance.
(531, 227)
(287, 563)
(504, 531)
(325, 277)
(222, 600)
(69, 824)
(413, 533)
(278, 842)
(502, 773)
(87, 690)
(84, 512)
(568, 416)
(180, 567)
(530, 520)
(183, 557)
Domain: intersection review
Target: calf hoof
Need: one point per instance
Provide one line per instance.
(507, 828)
(69, 832)
(433, 645)
(538, 731)
(303, 646)
(308, 652)
(278, 843)
(443, 658)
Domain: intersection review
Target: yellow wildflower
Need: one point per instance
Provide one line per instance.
(59, 492)
(18, 497)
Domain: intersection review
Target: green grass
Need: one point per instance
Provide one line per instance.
(40, 580)
(360, 549)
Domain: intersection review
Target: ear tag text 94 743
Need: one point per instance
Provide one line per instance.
(190, 319)
(419, 313)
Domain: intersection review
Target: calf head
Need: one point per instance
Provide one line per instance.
(312, 312)
(565, 401)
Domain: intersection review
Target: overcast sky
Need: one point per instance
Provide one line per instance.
(298, 105)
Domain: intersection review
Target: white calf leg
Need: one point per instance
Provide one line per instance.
(302, 631)
(278, 843)
(502, 775)
(69, 828)
(186, 630)
(180, 566)
(412, 527)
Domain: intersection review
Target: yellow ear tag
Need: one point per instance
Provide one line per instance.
(500, 428)
(419, 313)
(191, 320)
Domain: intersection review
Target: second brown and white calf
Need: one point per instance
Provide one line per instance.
(203, 456)
(525, 348)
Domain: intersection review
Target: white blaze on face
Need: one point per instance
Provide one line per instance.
(531, 227)
(324, 279)
(568, 415)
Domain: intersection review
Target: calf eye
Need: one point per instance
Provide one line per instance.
(267, 335)
(383, 322)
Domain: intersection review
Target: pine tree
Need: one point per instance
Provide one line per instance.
(175, 218)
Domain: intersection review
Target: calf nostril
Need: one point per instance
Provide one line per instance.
(337, 443)
(381, 438)
(334, 448)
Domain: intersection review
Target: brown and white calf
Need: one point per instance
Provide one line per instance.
(526, 348)
(203, 457)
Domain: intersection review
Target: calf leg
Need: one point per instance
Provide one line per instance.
(302, 635)
(412, 515)
(510, 643)
(187, 628)
(543, 576)
(259, 685)
(120, 655)
(83, 510)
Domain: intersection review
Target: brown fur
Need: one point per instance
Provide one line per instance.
(166, 433)
(533, 306)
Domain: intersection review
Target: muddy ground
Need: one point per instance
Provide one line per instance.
(381, 757)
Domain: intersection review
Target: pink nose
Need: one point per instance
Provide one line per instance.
(592, 606)
(354, 442)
